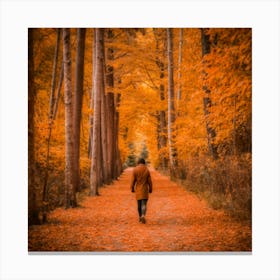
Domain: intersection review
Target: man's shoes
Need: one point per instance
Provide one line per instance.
(142, 220)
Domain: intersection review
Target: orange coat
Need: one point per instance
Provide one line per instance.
(141, 182)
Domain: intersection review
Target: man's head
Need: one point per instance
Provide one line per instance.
(141, 161)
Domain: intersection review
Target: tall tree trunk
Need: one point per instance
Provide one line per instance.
(96, 166)
(163, 131)
(51, 117)
(58, 91)
(211, 133)
(104, 140)
(104, 113)
(33, 213)
(162, 127)
(78, 103)
(179, 92)
(118, 164)
(70, 195)
(90, 120)
(53, 83)
(171, 107)
(110, 108)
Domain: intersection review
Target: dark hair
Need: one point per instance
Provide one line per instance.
(141, 160)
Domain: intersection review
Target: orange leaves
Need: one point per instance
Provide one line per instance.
(141, 65)
(140, 76)
(176, 221)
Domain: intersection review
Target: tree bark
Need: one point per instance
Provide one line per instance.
(207, 103)
(53, 83)
(118, 164)
(90, 135)
(58, 91)
(70, 195)
(104, 139)
(51, 117)
(96, 167)
(110, 133)
(110, 109)
(171, 107)
(33, 213)
(179, 92)
(78, 103)
(104, 113)
(162, 127)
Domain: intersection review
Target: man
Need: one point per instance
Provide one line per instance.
(141, 184)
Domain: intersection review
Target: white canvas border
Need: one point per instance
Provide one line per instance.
(17, 16)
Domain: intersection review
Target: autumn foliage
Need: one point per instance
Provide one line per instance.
(180, 98)
(177, 221)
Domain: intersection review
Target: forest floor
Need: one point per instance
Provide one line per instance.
(177, 221)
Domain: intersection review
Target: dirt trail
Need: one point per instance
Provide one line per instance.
(176, 221)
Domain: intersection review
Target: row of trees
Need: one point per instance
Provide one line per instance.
(183, 94)
(188, 97)
(103, 151)
(195, 88)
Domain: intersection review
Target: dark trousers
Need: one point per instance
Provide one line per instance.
(142, 207)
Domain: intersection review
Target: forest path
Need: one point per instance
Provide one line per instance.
(177, 221)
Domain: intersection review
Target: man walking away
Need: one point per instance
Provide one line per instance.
(141, 184)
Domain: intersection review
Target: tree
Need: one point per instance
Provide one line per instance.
(33, 213)
(117, 170)
(77, 106)
(162, 129)
(96, 176)
(144, 152)
(51, 115)
(230, 78)
(111, 110)
(131, 159)
(180, 65)
(211, 133)
(104, 112)
(171, 107)
(56, 102)
(70, 194)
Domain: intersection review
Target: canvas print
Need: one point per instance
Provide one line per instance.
(140, 140)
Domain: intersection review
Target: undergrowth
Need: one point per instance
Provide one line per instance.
(225, 183)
